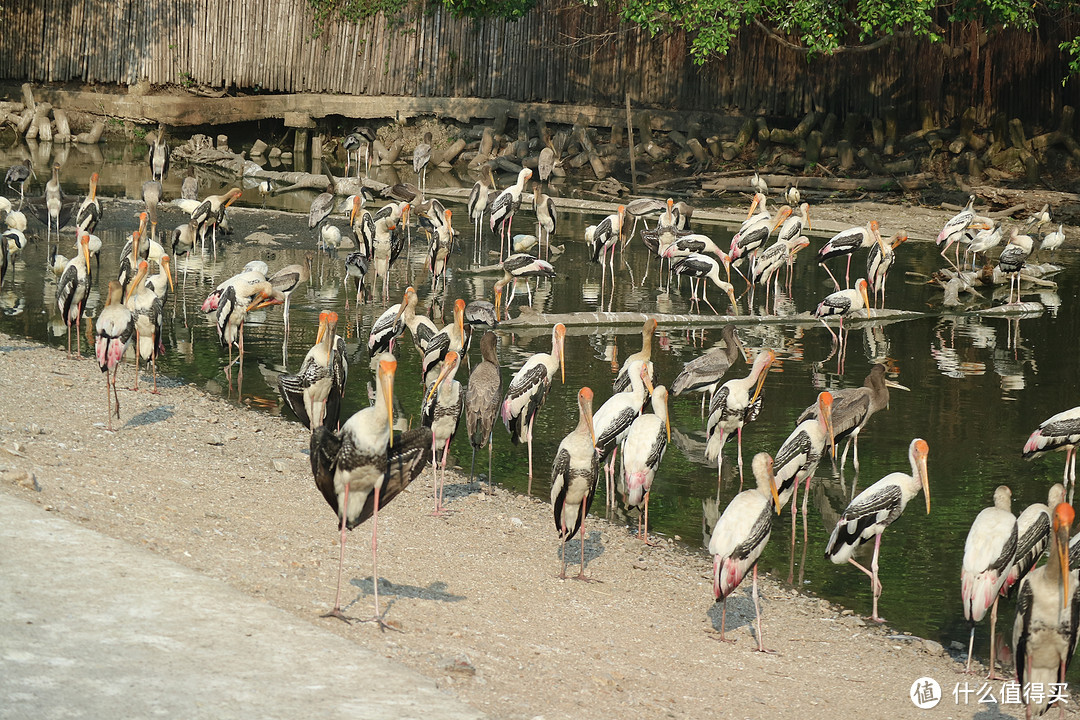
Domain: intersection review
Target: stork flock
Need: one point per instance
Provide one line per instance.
(360, 463)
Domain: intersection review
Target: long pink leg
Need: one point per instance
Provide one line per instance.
(336, 612)
(993, 649)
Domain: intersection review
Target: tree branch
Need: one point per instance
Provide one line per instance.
(880, 42)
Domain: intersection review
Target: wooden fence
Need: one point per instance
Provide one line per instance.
(564, 51)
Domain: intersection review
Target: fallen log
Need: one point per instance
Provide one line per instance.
(909, 182)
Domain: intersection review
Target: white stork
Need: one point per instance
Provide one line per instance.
(602, 241)
(1053, 240)
(478, 204)
(211, 213)
(873, 510)
(450, 339)
(984, 241)
(573, 479)
(546, 217)
(72, 291)
(740, 536)
(54, 198)
(528, 391)
(732, 405)
(149, 313)
(989, 555)
(643, 450)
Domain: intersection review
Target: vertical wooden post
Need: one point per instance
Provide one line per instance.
(630, 139)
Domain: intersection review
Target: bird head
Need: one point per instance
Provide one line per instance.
(558, 346)
(919, 451)
(585, 400)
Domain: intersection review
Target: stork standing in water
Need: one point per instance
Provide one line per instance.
(846, 242)
(420, 326)
(613, 420)
(442, 413)
(89, 213)
(211, 212)
(482, 398)
(420, 159)
(989, 555)
(740, 536)
(72, 291)
(574, 476)
(732, 405)
(1058, 432)
(54, 198)
(363, 466)
(702, 374)
(19, 173)
(288, 279)
(386, 329)
(1048, 619)
(546, 216)
(1012, 260)
(158, 157)
(606, 235)
(853, 407)
(622, 380)
(955, 228)
(478, 204)
(315, 392)
(504, 206)
(799, 455)
(878, 262)
(705, 269)
(450, 339)
(515, 267)
(843, 303)
(643, 451)
(528, 390)
(873, 510)
(115, 327)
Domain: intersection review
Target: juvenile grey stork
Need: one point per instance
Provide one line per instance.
(148, 310)
(363, 466)
(740, 536)
(420, 158)
(989, 555)
(322, 206)
(441, 412)
(736, 402)
(528, 390)
(72, 291)
(54, 199)
(622, 380)
(643, 450)
(479, 197)
(706, 269)
(158, 157)
(878, 262)
(18, 174)
(1058, 432)
(799, 455)
(574, 475)
(315, 392)
(482, 397)
(1012, 259)
(606, 235)
(546, 216)
(211, 212)
(504, 206)
(1047, 620)
(89, 213)
(613, 420)
(387, 328)
(450, 339)
(189, 188)
(853, 408)
(846, 242)
(873, 510)
(151, 195)
(115, 327)
(516, 267)
(702, 374)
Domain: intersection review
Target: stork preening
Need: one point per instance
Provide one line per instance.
(315, 392)
(158, 156)
(705, 269)
(873, 510)
(739, 537)
(574, 475)
(878, 262)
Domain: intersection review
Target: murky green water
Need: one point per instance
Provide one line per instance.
(975, 396)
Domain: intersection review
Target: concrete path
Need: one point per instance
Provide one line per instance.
(91, 627)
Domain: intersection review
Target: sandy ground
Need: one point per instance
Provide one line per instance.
(228, 492)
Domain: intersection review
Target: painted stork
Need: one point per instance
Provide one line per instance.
(1033, 534)
(612, 421)
(622, 380)
(1058, 432)
(72, 291)
(754, 235)
(504, 206)
(356, 266)
(984, 241)
(989, 555)
(703, 373)
(441, 413)
(54, 198)
(420, 326)
(878, 262)
(700, 267)
(211, 213)
(606, 235)
(799, 455)
(1013, 257)
(843, 303)
(420, 158)
(89, 213)
(546, 216)
(740, 536)
(482, 398)
(322, 206)
(643, 450)
(232, 312)
(846, 242)
(387, 328)
(853, 408)
(450, 339)
(767, 266)
(1047, 619)
(363, 466)
(873, 510)
(315, 392)
(148, 310)
(795, 225)
(151, 195)
(115, 328)
(1053, 240)
(515, 267)
(158, 157)
(957, 224)
(528, 389)
(479, 197)
(574, 475)
(732, 405)
(288, 279)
